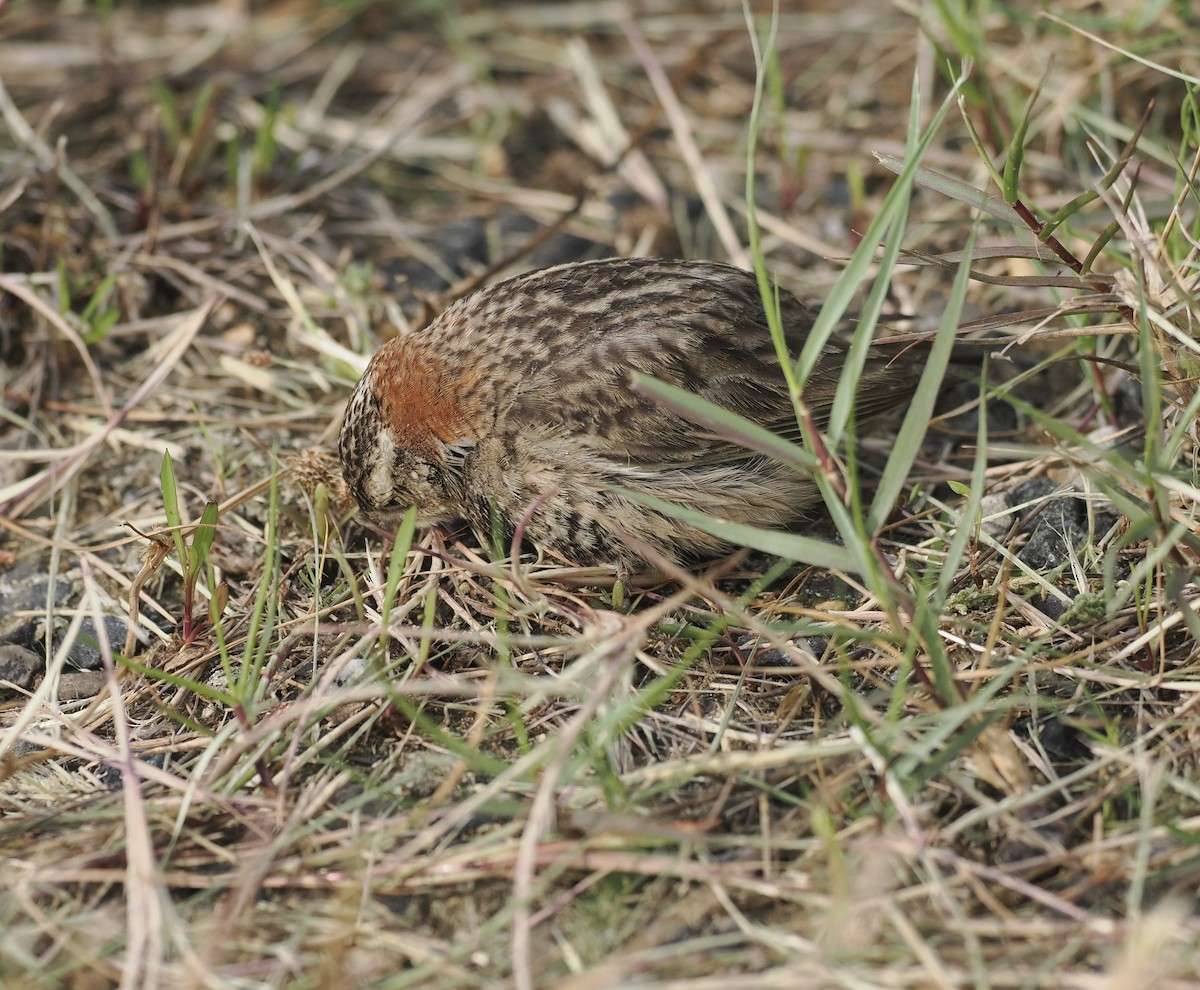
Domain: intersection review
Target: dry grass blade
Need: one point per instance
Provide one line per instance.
(19, 499)
(700, 171)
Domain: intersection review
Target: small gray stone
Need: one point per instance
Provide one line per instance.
(1061, 527)
(85, 653)
(76, 684)
(19, 667)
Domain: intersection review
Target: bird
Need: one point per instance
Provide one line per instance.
(518, 404)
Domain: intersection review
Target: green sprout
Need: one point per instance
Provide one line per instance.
(193, 558)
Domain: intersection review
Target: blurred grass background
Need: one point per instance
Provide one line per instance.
(965, 757)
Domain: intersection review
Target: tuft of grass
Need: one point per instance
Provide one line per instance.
(950, 743)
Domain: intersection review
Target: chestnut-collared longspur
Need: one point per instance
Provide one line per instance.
(518, 400)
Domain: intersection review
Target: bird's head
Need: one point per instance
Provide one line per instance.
(405, 437)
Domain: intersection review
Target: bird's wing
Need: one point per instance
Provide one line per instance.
(699, 327)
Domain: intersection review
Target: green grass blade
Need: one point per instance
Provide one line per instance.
(920, 408)
(955, 189)
(261, 626)
(203, 540)
(396, 562)
(1016, 150)
(886, 225)
(792, 546)
(170, 492)
(737, 429)
(966, 526)
(767, 289)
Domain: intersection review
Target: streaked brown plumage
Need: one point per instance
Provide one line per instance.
(520, 396)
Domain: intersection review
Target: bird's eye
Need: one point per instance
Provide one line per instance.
(456, 453)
